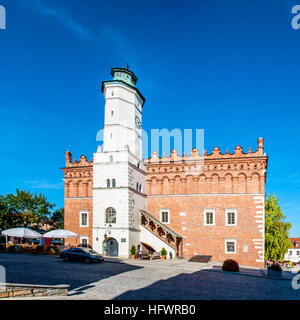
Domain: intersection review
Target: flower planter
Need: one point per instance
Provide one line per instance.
(133, 256)
(274, 273)
(163, 257)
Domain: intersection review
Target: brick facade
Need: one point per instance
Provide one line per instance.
(187, 186)
(78, 181)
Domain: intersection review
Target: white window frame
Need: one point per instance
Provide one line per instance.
(87, 220)
(84, 237)
(205, 211)
(230, 240)
(235, 217)
(160, 215)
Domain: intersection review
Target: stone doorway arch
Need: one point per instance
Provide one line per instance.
(111, 247)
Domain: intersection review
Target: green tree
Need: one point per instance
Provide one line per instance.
(57, 219)
(24, 209)
(276, 230)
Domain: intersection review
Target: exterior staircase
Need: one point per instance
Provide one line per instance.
(155, 234)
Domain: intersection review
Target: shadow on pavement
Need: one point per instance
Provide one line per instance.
(209, 284)
(51, 270)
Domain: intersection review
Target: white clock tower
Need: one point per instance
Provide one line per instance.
(118, 169)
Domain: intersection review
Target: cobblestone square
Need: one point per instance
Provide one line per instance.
(138, 280)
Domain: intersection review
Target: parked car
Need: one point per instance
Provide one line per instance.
(81, 254)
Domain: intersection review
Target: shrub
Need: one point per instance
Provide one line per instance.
(163, 252)
(231, 266)
(133, 250)
(275, 267)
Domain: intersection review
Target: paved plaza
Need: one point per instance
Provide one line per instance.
(127, 279)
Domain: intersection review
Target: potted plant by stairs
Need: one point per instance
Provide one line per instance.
(274, 270)
(133, 251)
(163, 253)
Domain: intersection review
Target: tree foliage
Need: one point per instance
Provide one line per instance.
(276, 230)
(57, 219)
(24, 209)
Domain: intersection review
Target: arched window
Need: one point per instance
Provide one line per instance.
(113, 183)
(108, 183)
(110, 215)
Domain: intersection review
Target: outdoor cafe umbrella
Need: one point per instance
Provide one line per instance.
(61, 233)
(21, 233)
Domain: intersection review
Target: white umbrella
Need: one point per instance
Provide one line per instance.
(60, 233)
(21, 233)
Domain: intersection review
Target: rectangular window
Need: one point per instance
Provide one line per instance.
(165, 216)
(298, 253)
(84, 218)
(209, 217)
(84, 241)
(231, 217)
(230, 246)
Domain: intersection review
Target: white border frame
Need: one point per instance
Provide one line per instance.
(226, 217)
(80, 218)
(160, 215)
(213, 211)
(84, 237)
(230, 240)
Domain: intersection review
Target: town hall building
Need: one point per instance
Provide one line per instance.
(118, 199)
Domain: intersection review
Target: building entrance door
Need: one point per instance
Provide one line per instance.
(111, 247)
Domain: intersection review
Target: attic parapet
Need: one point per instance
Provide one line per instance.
(83, 162)
(216, 154)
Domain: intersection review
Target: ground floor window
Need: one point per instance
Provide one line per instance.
(230, 246)
(84, 241)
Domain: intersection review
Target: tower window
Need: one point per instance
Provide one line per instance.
(108, 183)
(140, 188)
(113, 183)
(137, 186)
(111, 158)
(112, 93)
(112, 112)
(110, 215)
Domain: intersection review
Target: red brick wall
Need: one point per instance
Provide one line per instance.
(78, 177)
(72, 218)
(210, 240)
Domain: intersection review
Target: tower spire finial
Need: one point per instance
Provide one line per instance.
(127, 66)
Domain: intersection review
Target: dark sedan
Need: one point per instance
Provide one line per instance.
(81, 254)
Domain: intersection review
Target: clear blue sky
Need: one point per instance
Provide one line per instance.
(230, 67)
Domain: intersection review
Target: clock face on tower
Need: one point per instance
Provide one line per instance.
(138, 123)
